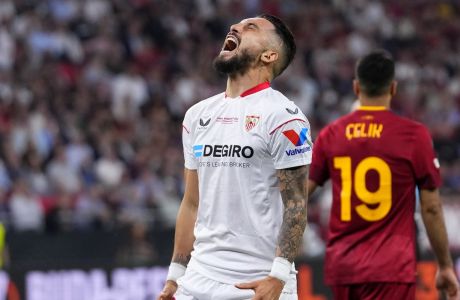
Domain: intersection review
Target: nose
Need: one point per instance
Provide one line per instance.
(235, 28)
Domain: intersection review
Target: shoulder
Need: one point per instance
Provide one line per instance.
(416, 129)
(203, 104)
(280, 110)
(199, 110)
(279, 103)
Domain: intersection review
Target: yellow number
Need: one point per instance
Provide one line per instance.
(344, 164)
(381, 197)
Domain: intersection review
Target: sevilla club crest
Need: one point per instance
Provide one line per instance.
(251, 122)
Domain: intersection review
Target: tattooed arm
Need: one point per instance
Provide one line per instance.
(293, 187)
(185, 223)
(294, 195)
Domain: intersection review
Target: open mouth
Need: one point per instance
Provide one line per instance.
(231, 43)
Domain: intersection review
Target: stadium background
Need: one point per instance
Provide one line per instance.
(92, 94)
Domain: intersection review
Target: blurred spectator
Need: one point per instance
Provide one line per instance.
(61, 216)
(109, 169)
(139, 250)
(129, 92)
(90, 210)
(26, 210)
(62, 176)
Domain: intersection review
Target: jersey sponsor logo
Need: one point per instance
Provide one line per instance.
(251, 122)
(296, 151)
(222, 151)
(292, 112)
(298, 140)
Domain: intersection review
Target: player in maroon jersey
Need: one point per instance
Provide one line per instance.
(376, 160)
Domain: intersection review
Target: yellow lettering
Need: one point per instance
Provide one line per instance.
(363, 130)
(357, 131)
(378, 130)
(348, 131)
(370, 130)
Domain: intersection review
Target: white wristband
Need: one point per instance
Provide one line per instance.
(281, 269)
(175, 271)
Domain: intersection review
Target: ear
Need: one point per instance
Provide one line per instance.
(393, 88)
(356, 88)
(269, 56)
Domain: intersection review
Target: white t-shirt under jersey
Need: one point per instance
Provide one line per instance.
(236, 145)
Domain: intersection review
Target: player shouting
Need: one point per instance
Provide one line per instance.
(246, 151)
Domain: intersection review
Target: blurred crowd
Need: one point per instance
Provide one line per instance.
(93, 92)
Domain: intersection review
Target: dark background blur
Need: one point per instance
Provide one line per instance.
(93, 92)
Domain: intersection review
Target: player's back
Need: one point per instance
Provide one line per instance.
(375, 160)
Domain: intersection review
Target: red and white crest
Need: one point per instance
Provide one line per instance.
(251, 122)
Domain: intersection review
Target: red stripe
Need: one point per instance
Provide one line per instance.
(257, 88)
(188, 131)
(285, 124)
(253, 90)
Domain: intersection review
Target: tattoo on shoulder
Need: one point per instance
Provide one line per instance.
(293, 188)
(181, 258)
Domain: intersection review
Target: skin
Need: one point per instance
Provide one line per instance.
(184, 238)
(258, 36)
(431, 208)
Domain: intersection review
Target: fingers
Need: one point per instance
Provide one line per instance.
(448, 282)
(247, 285)
(165, 295)
(452, 291)
(168, 291)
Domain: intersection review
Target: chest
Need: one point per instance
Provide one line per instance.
(235, 130)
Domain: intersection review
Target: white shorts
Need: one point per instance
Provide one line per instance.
(194, 286)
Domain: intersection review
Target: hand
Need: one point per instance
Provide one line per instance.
(268, 288)
(168, 291)
(448, 282)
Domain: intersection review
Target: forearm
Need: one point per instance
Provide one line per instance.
(184, 237)
(292, 229)
(433, 219)
(294, 193)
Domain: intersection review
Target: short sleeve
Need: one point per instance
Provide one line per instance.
(187, 143)
(424, 161)
(290, 144)
(319, 171)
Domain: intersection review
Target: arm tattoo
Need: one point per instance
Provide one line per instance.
(293, 187)
(181, 258)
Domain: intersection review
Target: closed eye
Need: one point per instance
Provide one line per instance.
(252, 26)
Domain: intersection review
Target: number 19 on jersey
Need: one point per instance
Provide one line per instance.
(379, 200)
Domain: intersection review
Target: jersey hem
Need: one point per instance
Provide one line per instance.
(293, 163)
(196, 266)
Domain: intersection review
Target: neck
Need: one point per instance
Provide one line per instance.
(238, 84)
(375, 101)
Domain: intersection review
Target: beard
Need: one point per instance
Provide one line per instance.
(236, 65)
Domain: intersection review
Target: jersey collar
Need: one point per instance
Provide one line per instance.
(255, 89)
(372, 108)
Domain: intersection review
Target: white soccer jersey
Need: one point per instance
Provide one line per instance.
(236, 145)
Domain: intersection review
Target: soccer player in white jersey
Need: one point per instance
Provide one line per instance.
(247, 152)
